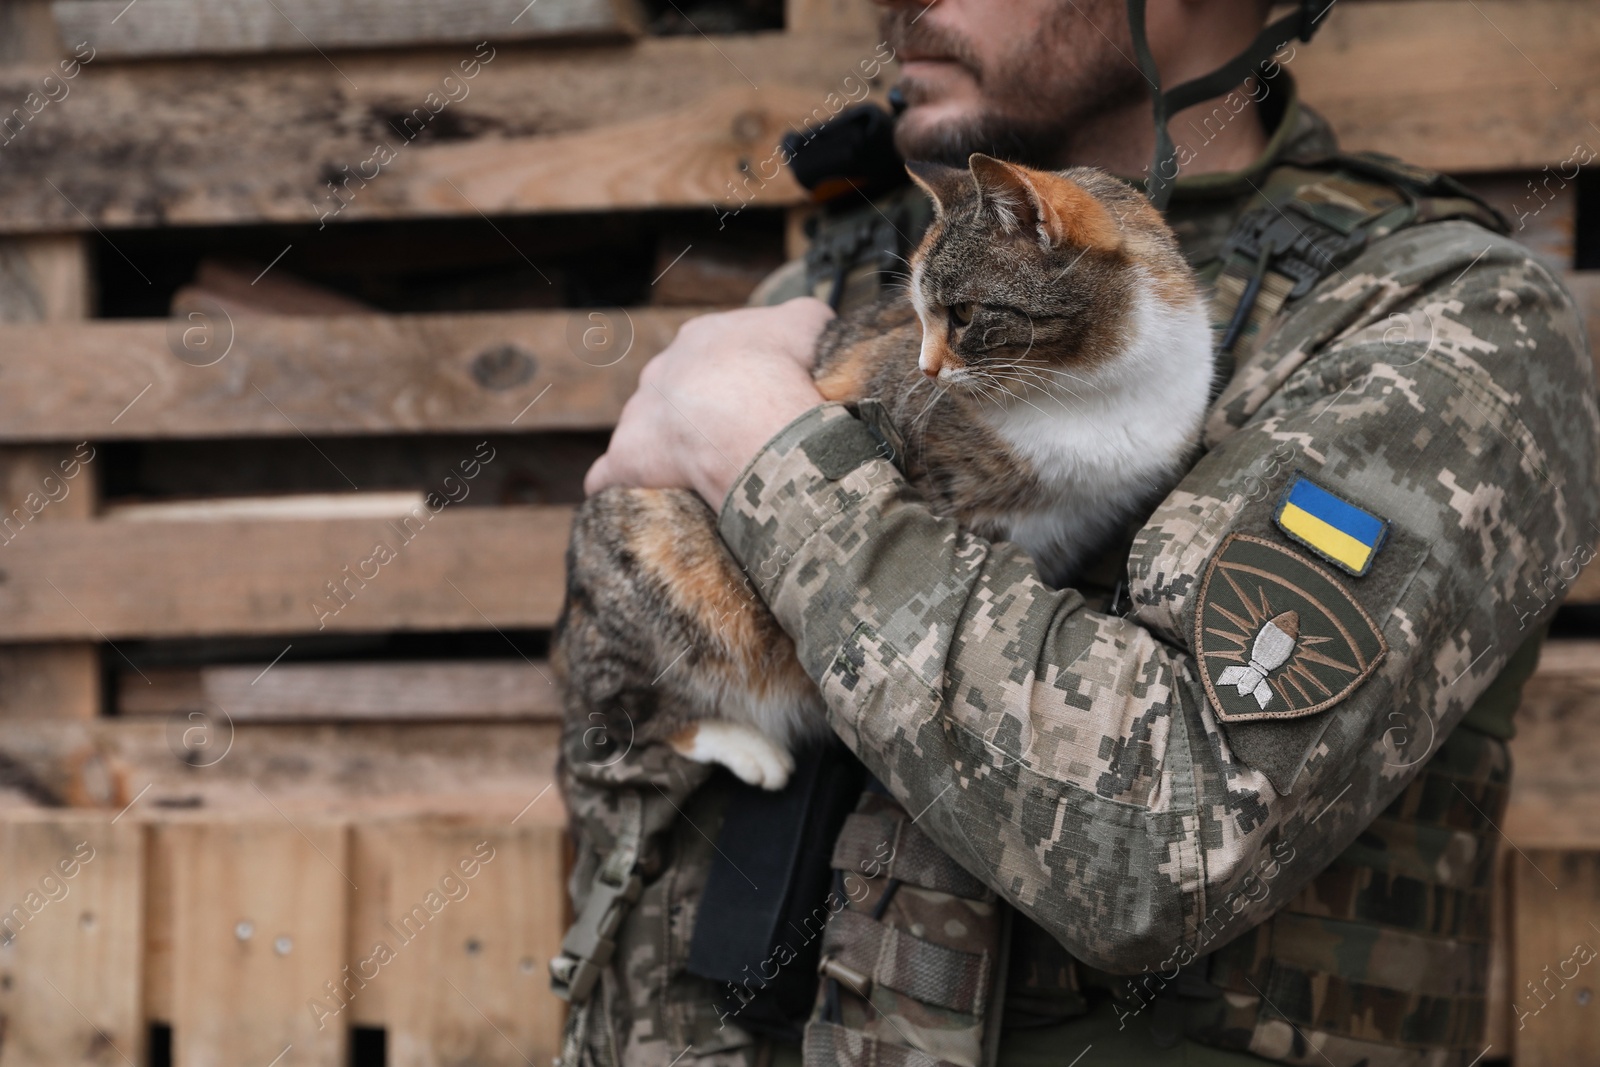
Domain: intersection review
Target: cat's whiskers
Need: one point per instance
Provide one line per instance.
(1045, 385)
(1024, 399)
(1042, 385)
(974, 380)
(1076, 396)
(1085, 381)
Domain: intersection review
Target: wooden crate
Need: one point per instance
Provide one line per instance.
(258, 829)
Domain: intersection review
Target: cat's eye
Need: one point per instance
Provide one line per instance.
(961, 314)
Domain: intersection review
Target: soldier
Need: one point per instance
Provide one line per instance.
(1238, 806)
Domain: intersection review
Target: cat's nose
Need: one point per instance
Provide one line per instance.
(930, 370)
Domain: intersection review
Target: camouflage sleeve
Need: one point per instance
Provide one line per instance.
(1111, 776)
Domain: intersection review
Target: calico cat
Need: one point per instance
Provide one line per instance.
(1047, 367)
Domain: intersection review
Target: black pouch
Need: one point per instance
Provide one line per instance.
(772, 871)
(852, 151)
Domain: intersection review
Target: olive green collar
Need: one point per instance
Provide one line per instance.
(1300, 133)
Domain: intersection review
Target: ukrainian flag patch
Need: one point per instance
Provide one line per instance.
(1333, 528)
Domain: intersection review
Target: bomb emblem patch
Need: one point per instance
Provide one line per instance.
(1276, 636)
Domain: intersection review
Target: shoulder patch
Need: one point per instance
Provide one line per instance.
(1276, 636)
(1332, 527)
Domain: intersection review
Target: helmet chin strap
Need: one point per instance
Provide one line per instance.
(1301, 23)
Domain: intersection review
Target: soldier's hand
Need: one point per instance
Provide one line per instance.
(705, 406)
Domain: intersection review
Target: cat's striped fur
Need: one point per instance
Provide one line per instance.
(1048, 367)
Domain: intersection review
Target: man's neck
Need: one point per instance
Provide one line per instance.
(1222, 134)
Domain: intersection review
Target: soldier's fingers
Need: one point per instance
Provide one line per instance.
(809, 316)
(600, 475)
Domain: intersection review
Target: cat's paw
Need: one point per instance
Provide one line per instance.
(744, 750)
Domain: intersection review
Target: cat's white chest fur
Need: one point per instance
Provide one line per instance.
(1101, 441)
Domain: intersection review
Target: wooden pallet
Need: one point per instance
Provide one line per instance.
(257, 829)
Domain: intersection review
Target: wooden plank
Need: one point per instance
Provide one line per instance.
(302, 506)
(1507, 83)
(474, 913)
(1555, 1016)
(310, 692)
(491, 772)
(812, 16)
(242, 288)
(72, 890)
(40, 488)
(261, 910)
(49, 681)
(231, 27)
(465, 569)
(27, 31)
(670, 122)
(158, 923)
(46, 278)
(284, 376)
(372, 865)
(1553, 791)
(349, 770)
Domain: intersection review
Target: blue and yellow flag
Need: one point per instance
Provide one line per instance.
(1334, 529)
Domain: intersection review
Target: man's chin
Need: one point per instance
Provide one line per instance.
(938, 132)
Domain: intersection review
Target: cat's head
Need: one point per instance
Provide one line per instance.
(1032, 279)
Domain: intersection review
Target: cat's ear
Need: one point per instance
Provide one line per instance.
(942, 184)
(1058, 209)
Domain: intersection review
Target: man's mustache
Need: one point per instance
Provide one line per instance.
(909, 35)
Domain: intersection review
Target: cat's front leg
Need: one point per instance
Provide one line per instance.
(744, 750)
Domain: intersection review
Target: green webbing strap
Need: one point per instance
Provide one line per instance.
(1301, 23)
(589, 944)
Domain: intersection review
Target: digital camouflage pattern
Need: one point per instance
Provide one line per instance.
(888, 987)
(1070, 757)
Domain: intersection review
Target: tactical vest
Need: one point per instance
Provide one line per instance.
(1380, 959)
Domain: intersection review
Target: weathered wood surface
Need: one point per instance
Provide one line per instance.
(259, 921)
(201, 768)
(1555, 802)
(312, 692)
(224, 27)
(351, 374)
(1467, 85)
(813, 16)
(675, 122)
(73, 889)
(284, 376)
(245, 288)
(468, 981)
(51, 681)
(46, 278)
(189, 579)
(655, 123)
(363, 505)
(1555, 1017)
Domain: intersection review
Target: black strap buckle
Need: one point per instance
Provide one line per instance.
(872, 238)
(1297, 245)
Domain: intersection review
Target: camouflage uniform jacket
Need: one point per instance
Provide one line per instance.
(1080, 762)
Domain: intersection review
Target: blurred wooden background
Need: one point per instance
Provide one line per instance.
(257, 343)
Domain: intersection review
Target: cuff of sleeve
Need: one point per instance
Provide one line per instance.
(782, 496)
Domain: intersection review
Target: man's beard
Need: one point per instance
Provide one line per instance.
(1037, 99)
